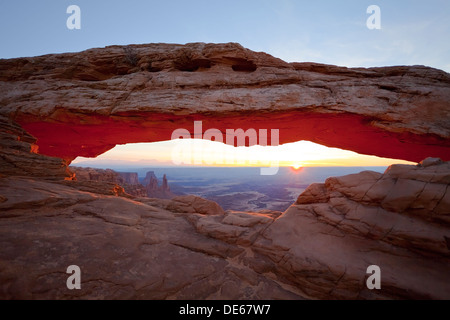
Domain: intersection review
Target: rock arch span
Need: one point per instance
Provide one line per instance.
(83, 104)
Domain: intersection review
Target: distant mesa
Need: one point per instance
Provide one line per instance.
(129, 177)
(129, 181)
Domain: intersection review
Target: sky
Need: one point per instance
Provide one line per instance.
(196, 152)
(333, 32)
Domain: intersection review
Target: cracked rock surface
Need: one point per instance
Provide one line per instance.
(126, 249)
(188, 248)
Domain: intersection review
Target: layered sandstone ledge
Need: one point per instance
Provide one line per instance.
(83, 104)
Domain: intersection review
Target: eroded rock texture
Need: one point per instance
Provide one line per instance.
(19, 155)
(189, 248)
(398, 220)
(127, 180)
(82, 104)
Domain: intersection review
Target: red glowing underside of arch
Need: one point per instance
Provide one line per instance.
(90, 135)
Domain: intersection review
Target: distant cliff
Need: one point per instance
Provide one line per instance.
(129, 181)
(129, 177)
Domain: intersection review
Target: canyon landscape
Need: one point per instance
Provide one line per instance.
(138, 239)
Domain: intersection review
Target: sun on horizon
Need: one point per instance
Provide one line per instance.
(296, 166)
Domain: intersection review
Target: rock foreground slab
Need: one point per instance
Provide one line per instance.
(189, 248)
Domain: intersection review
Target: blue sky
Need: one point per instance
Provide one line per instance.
(335, 32)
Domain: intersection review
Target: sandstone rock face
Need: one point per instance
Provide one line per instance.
(397, 220)
(150, 180)
(129, 181)
(189, 204)
(130, 178)
(125, 180)
(19, 155)
(189, 248)
(154, 190)
(165, 184)
(125, 249)
(93, 174)
(83, 104)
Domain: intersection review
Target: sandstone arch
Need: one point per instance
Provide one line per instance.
(83, 104)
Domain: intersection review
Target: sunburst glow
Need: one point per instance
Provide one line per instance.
(297, 166)
(195, 152)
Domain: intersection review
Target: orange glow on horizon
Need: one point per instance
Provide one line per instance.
(194, 153)
(297, 168)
